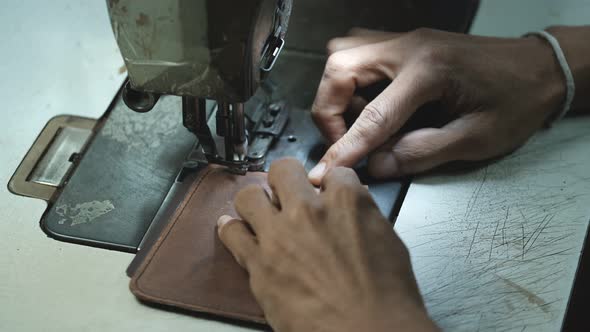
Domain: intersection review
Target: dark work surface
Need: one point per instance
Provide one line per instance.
(122, 179)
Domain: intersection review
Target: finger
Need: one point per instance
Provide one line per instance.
(255, 207)
(318, 190)
(370, 32)
(344, 43)
(345, 72)
(357, 105)
(340, 177)
(382, 118)
(424, 149)
(289, 183)
(238, 239)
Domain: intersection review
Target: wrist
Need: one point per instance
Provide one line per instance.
(573, 42)
(414, 321)
(548, 74)
(399, 315)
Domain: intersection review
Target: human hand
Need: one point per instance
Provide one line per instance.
(323, 262)
(501, 90)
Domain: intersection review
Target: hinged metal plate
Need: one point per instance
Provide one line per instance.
(51, 157)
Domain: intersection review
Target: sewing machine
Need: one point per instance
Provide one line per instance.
(212, 67)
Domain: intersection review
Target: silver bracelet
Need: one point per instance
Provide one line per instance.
(565, 68)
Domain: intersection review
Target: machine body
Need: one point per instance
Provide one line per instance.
(220, 50)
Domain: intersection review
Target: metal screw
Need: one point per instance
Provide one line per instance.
(274, 109)
(256, 154)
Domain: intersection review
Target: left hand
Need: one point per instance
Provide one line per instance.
(323, 262)
(497, 91)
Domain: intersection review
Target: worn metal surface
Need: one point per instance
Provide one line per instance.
(54, 165)
(123, 177)
(51, 157)
(202, 48)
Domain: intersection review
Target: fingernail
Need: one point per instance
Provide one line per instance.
(223, 220)
(318, 171)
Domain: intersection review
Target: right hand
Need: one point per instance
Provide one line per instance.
(501, 90)
(325, 261)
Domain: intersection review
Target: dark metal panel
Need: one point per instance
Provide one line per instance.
(114, 193)
(314, 22)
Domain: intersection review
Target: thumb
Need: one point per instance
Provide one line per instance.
(380, 119)
(238, 239)
(424, 149)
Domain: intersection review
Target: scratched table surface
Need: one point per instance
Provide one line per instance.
(494, 248)
(498, 248)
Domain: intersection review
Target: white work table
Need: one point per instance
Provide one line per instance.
(493, 249)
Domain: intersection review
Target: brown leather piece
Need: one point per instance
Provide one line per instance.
(188, 267)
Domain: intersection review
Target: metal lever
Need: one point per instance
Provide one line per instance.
(51, 159)
(274, 44)
(273, 48)
(194, 118)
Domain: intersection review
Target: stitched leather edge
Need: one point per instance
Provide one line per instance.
(139, 292)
